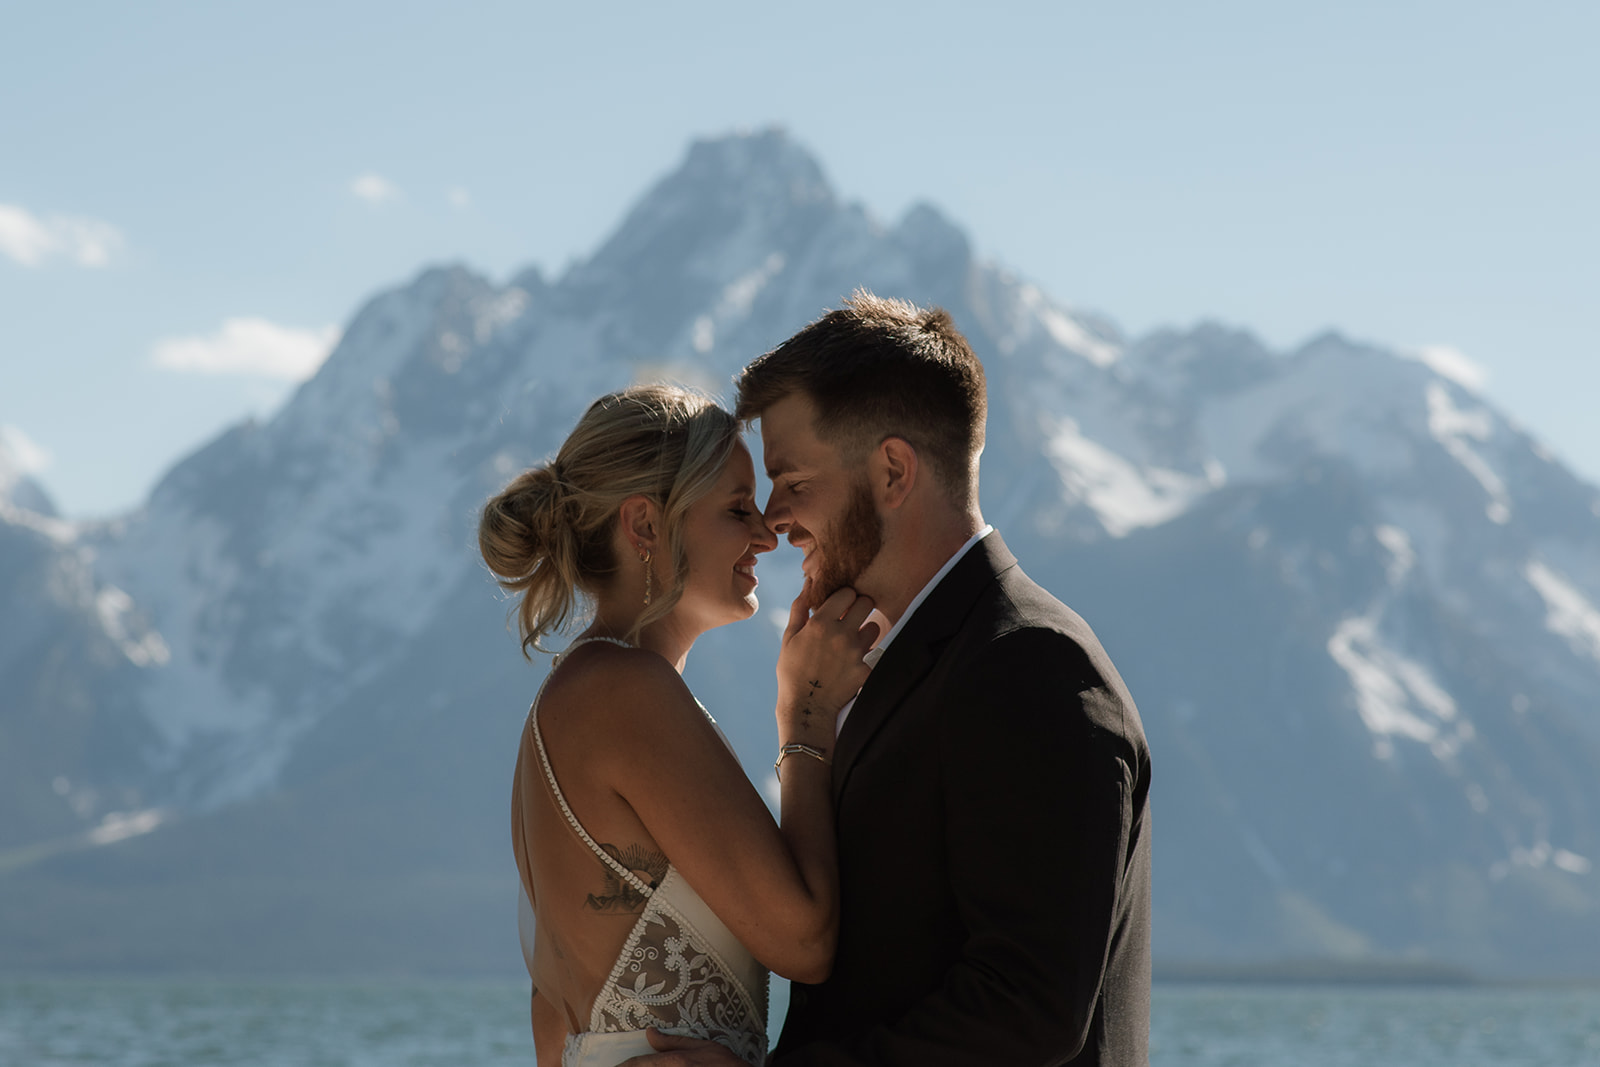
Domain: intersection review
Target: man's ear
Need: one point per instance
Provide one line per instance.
(896, 467)
(640, 522)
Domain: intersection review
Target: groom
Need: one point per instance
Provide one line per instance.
(991, 779)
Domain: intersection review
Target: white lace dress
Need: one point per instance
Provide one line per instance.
(680, 970)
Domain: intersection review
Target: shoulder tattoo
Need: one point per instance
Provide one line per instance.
(649, 865)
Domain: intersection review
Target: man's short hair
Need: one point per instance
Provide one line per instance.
(878, 368)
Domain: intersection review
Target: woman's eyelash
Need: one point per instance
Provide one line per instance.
(741, 512)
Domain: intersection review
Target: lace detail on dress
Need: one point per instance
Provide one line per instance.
(666, 976)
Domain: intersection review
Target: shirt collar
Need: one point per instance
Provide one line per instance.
(876, 652)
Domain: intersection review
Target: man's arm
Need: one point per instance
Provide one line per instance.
(1043, 797)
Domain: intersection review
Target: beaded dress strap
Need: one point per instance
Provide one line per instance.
(609, 860)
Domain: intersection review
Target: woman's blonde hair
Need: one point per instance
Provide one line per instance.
(548, 535)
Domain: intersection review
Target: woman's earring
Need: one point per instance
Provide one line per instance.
(646, 558)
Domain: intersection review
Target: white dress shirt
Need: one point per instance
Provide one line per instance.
(875, 653)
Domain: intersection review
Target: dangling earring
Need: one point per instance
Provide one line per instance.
(646, 558)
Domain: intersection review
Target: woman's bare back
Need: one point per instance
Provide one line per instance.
(584, 909)
(592, 870)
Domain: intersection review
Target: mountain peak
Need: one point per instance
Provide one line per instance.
(736, 205)
(757, 160)
(17, 462)
(929, 234)
(758, 188)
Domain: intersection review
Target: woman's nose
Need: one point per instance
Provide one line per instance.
(763, 538)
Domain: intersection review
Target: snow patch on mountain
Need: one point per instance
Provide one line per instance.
(1451, 363)
(121, 825)
(20, 459)
(1428, 532)
(394, 551)
(1402, 557)
(1452, 427)
(20, 456)
(61, 531)
(735, 302)
(188, 580)
(740, 294)
(1023, 319)
(1067, 331)
(1568, 613)
(348, 402)
(1570, 862)
(497, 311)
(1541, 854)
(1395, 695)
(1331, 400)
(1123, 496)
(113, 608)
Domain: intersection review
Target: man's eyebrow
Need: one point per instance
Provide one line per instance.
(780, 466)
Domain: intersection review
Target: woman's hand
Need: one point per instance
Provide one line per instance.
(820, 667)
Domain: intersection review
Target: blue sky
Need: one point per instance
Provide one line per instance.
(195, 197)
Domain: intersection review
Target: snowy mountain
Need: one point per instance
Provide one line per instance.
(18, 488)
(267, 721)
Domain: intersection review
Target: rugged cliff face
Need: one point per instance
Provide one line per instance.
(267, 721)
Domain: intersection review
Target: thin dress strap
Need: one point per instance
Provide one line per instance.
(639, 884)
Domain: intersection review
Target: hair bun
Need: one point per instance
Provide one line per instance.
(519, 524)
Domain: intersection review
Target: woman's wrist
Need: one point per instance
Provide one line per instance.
(809, 723)
(802, 751)
(817, 738)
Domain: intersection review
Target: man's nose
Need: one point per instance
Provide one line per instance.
(777, 514)
(765, 538)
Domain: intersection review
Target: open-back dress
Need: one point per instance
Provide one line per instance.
(679, 969)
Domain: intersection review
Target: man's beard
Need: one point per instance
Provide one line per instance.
(848, 546)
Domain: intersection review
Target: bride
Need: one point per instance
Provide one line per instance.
(657, 888)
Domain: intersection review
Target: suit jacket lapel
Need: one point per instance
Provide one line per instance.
(915, 650)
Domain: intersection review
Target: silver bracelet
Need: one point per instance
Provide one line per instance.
(798, 750)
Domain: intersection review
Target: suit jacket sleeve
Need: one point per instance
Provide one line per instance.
(1043, 785)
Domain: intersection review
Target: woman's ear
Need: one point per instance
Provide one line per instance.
(895, 468)
(640, 522)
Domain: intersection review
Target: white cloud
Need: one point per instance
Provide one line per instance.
(1451, 363)
(459, 198)
(252, 347)
(375, 189)
(26, 455)
(30, 240)
(23, 237)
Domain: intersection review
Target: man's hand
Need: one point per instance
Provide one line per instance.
(684, 1052)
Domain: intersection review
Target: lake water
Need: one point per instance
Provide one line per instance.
(177, 1023)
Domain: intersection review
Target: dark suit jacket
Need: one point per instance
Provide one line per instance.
(990, 787)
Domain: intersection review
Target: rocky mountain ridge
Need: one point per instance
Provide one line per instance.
(266, 721)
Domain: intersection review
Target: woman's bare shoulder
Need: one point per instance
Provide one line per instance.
(612, 686)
